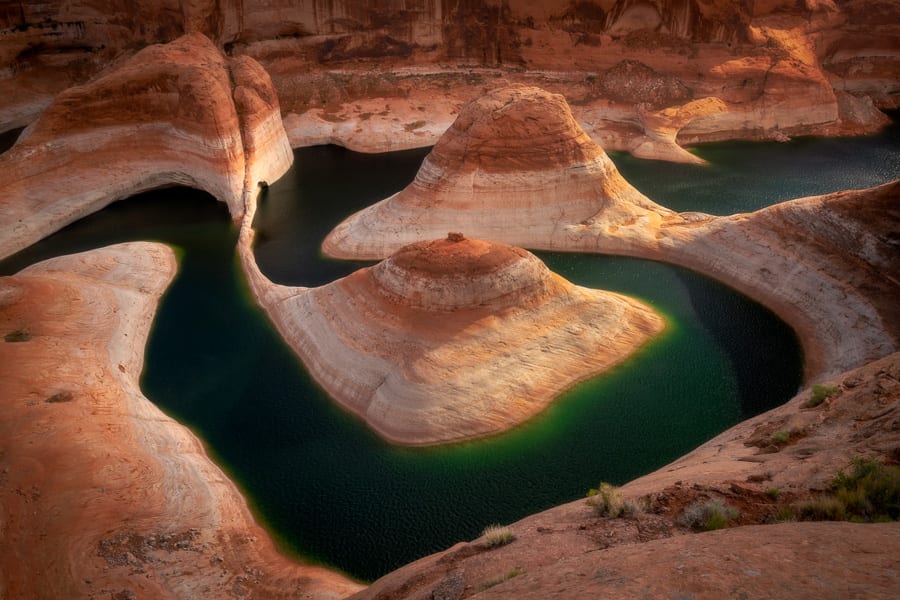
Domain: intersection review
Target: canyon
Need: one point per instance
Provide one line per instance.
(104, 496)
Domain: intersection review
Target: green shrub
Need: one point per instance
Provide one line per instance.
(609, 502)
(781, 437)
(708, 515)
(819, 394)
(786, 513)
(869, 493)
(773, 493)
(497, 535)
(823, 508)
(514, 572)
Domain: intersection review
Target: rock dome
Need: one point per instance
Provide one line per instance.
(515, 167)
(457, 338)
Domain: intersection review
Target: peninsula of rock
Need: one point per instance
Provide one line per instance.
(514, 167)
(484, 174)
(456, 338)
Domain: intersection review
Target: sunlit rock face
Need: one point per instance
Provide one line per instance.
(455, 338)
(114, 486)
(174, 114)
(514, 167)
(368, 74)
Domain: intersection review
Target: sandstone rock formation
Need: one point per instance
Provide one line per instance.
(101, 494)
(452, 339)
(771, 69)
(570, 550)
(514, 167)
(175, 114)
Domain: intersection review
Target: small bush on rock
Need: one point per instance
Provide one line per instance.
(708, 515)
(819, 394)
(609, 502)
(497, 535)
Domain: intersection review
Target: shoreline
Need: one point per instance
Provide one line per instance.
(133, 492)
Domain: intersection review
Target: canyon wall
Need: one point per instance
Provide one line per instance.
(175, 114)
(634, 70)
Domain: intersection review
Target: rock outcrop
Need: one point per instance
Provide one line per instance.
(778, 68)
(573, 550)
(514, 167)
(178, 114)
(101, 493)
(453, 339)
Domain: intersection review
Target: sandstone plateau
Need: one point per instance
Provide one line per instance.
(645, 76)
(102, 494)
(174, 114)
(514, 167)
(457, 338)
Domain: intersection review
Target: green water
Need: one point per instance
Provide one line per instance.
(331, 490)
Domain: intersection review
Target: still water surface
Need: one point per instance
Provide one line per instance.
(332, 491)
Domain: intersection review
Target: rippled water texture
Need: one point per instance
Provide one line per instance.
(331, 490)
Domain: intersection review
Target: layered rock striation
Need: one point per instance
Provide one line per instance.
(101, 493)
(456, 338)
(774, 69)
(175, 114)
(514, 167)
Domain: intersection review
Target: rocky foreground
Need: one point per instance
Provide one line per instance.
(101, 494)
(452, 339)
(571, 551)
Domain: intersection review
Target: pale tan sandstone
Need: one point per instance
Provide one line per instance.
(570, 551)
(178, 114)
(821, 263)
(514, 167)
(453, 339)
(101, 494)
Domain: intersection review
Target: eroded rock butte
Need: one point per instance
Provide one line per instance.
(455, 338)
(514, 167)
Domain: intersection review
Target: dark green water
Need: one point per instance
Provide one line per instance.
(334, 492)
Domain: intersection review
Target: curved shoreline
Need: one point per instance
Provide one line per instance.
(92, 462)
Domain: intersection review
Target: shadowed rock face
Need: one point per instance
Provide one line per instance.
(514, 167)
(452, 339)
(179, 113)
